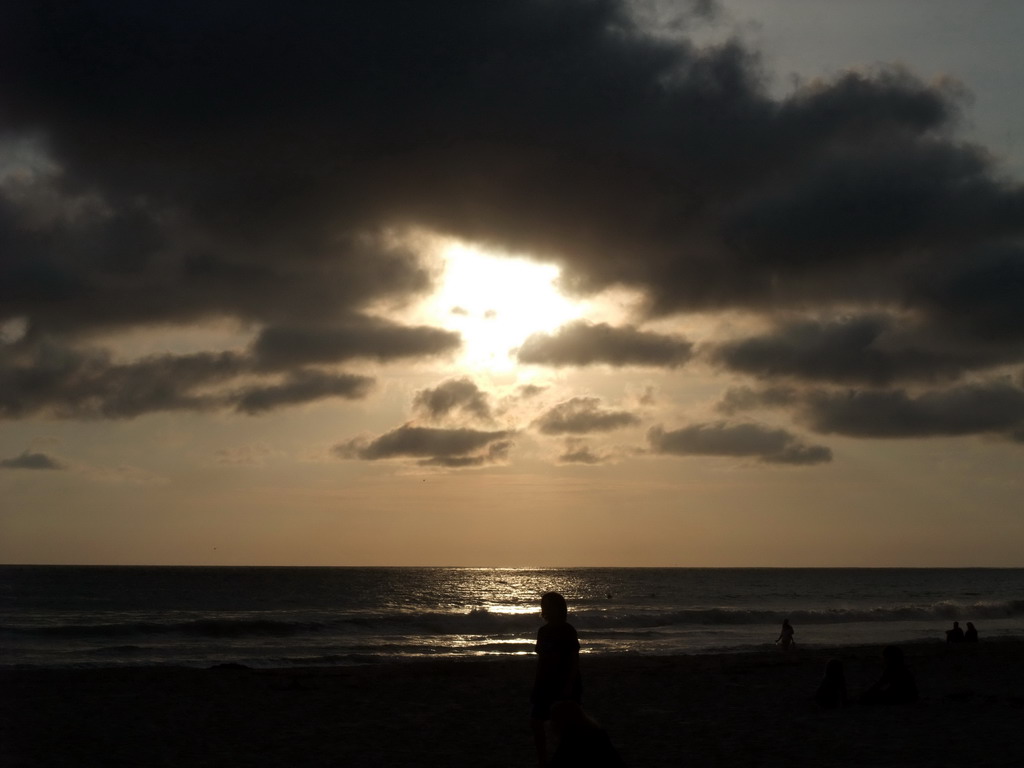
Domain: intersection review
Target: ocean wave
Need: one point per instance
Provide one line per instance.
(943, 610)
(479, 622)
(118, 650)
(219, 628)
(473, 621)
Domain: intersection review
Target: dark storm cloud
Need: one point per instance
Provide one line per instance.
(737, 399)
(107, 268)
(70, 383)
(870, 349)
(578, 452)
(872, 205)
(774, 446)
(436, 445)
(846, 191)
(455, 395)
(283, 347)
(64, 382)
(262, 161)
(980, 295)
(454, 462)
(583, 343)
(581, 415)
(309, 126)
(28, 460)
(496, 453)
(996, 407)
(301, 387)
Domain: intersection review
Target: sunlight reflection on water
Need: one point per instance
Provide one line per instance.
(282, 616)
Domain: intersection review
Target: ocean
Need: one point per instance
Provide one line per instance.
(100, 616)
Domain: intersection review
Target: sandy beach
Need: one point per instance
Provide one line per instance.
(750, 709)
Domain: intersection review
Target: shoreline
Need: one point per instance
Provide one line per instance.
(748, 708)
(363, 660)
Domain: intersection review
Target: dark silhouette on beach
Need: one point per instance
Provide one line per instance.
(831, 693)
(785, 638)
(557, 692)
(971, 635)
(581, 741)
(558, 668)
(955, 635)
(896, 685)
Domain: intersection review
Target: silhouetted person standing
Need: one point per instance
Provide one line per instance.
(558, 671)
(971, 635)
(896, 685)
(786, 635)
(955, 635)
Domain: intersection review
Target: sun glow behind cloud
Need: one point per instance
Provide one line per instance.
(495, 303)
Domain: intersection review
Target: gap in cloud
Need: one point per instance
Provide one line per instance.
(495, 301)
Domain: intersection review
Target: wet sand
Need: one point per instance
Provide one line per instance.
(752, 709)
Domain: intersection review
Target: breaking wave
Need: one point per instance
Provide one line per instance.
(480, 621)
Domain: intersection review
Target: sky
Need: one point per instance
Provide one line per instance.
(522, 284)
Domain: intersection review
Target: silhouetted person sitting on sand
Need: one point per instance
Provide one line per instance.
(831, 692)
(971, 635)
(896, 685)
(955, 635)
(786, 636)
(558, 671)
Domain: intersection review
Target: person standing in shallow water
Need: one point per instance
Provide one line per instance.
(786, 635)
(558, 670)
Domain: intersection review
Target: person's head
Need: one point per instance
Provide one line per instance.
(785, 622)
(969, 625)
(956, 625)
(553, 607)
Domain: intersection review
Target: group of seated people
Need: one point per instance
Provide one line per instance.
(895, 686)
(957, 635)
